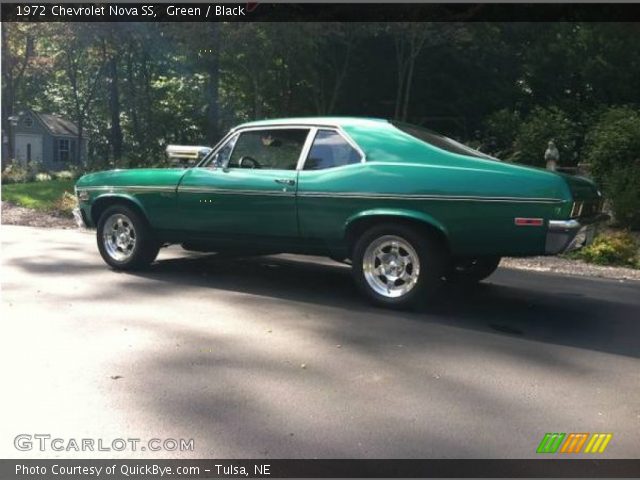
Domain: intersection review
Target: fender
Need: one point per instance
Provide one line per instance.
(117, 196)
(399, 213)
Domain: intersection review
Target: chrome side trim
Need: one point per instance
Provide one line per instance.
(234, 191)
(128, 188)
(356, 195)
(459, 198)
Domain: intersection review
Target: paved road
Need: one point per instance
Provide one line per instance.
(279, 357)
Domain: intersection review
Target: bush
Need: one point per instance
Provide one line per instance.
(542, 125)
(622, 188)
(618, 248)
(65, 204)
(42, 177)
(17, 174)
(613, 150)
(65, 175)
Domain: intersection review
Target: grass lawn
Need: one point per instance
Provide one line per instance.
(36, 195)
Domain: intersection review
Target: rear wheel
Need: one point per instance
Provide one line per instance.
(125, 240)
(398, 266)
(472, 270)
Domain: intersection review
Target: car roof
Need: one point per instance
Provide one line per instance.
(319, 121)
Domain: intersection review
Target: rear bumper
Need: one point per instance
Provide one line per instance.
(567, 235)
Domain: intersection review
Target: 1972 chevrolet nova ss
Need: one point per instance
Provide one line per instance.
(408, 207)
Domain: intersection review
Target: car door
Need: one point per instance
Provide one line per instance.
(247, 192)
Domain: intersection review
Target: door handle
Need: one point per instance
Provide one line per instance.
(285, 181)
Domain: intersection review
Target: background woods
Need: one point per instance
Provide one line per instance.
(506, 88)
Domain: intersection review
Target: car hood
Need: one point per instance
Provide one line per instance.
(135, 177)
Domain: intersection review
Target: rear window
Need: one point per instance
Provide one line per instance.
(440, 141)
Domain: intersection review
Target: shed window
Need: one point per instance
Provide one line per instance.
(63, 150)
(28, 122)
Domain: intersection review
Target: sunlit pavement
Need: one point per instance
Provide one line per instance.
(280, 357)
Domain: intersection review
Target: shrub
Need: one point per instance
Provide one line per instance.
(618, 248)
(64, 175)
(542, 125)
(65, 204)
(17, 174)
(613, 150)
(42, 177)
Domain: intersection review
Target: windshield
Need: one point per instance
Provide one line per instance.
(440, 141)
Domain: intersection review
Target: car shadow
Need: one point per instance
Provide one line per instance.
(595, 314)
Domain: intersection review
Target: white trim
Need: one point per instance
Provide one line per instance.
(345, 137)
(306, 148)
(311, 127)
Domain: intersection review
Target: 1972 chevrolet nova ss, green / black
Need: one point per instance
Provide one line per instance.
(408, 207)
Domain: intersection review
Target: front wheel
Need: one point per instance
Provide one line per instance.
(398, 266)
(472, 270)
(125, 240)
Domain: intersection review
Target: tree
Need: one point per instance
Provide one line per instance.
(82, 58)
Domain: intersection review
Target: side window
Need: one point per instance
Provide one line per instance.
(221, 157)
(272, 149)
(330, 150)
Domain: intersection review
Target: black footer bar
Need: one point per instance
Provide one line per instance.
(264, 468)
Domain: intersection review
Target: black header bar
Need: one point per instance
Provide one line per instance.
(319, 12)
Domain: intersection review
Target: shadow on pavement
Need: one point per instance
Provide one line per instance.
(600, 315)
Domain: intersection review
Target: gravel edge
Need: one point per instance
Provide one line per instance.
(570, 267)
(11, 214)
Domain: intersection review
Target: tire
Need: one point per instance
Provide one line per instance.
(134, 247)
(412, 260)
(471, 270)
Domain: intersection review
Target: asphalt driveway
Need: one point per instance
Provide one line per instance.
(280, 357)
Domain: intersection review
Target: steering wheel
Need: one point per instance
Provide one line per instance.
(253, 163)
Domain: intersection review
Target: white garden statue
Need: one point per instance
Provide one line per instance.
(552, 156)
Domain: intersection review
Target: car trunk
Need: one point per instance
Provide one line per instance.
(586, 197)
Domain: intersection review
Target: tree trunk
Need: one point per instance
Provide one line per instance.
(114, 109)
(257, 100)
(78, 151)
(407, 89)
(213, 109)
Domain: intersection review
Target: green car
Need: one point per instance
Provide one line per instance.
(407, 207)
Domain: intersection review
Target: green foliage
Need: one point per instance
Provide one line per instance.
(37, 195)
(613, 150)
(614, 140)
(618, 249)
(501, 129)
(541, 126)
(622, 188)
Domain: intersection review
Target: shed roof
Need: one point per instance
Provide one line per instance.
(57, 125)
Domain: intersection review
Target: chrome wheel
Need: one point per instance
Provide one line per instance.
(391, 266)
(119, 237)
